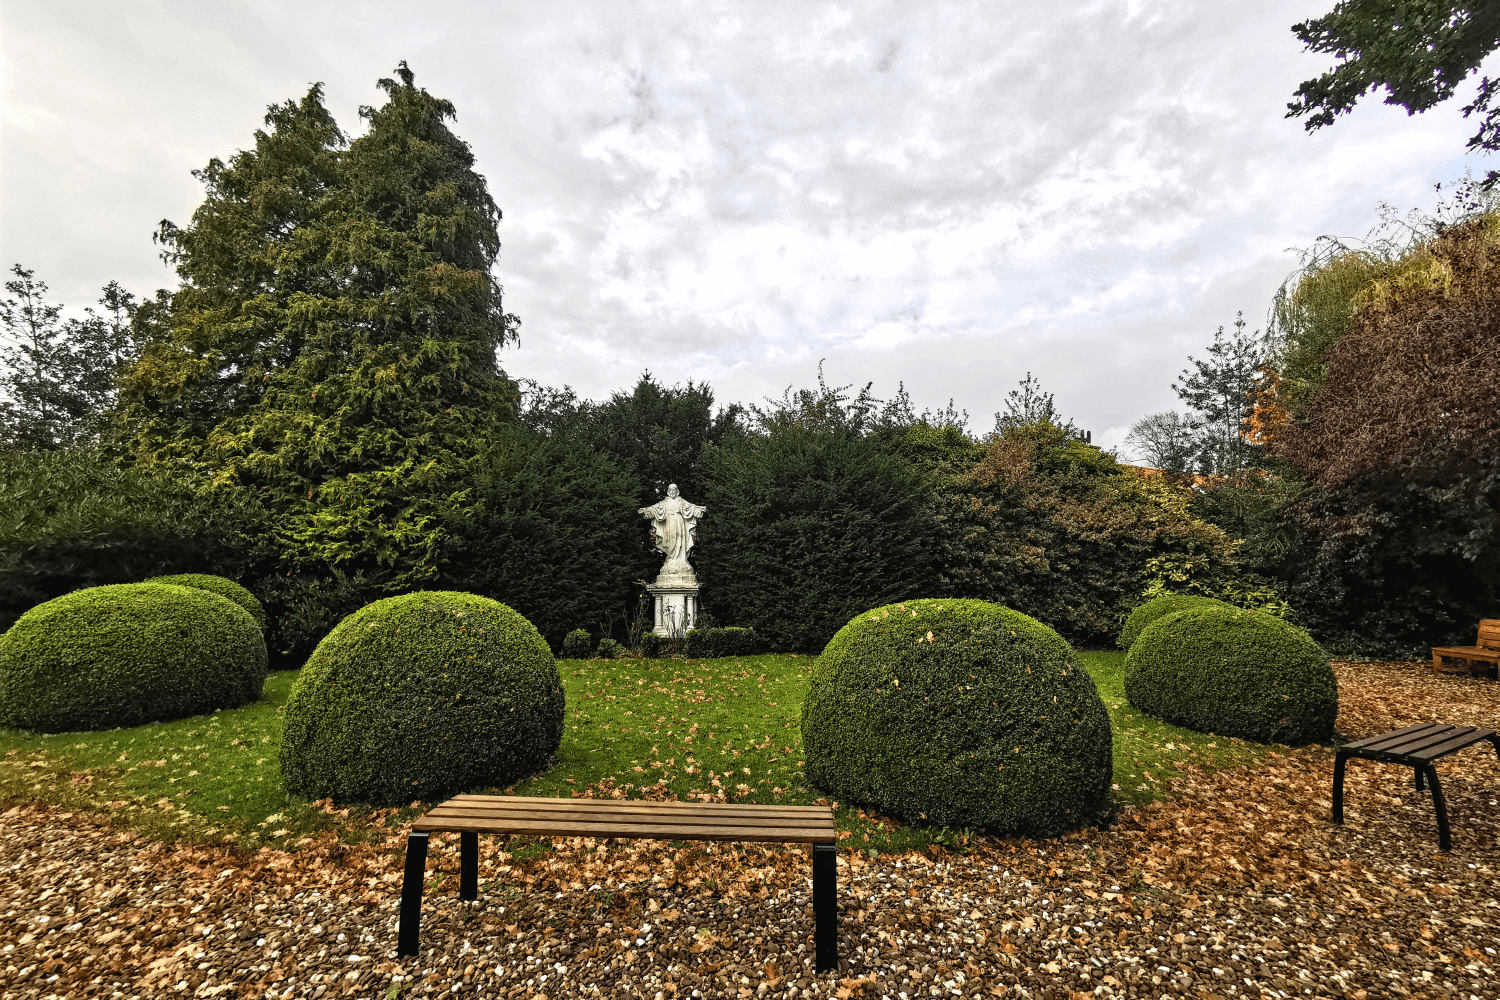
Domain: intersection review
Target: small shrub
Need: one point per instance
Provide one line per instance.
(422, 696)
(1147, 612)
(959, 713)
(576, 645)
(652, 644)
(1233, 672)
(128, 654)
(708, 643)
(218, 585)
(609, 649)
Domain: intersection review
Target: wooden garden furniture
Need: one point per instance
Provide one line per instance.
(1483, 656)
(622, 819)
(1418, 747)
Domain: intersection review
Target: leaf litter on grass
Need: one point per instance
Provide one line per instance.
(1236, 880)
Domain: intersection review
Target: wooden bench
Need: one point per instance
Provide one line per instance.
(1483, 656)
(1417, 747)
(471, 815)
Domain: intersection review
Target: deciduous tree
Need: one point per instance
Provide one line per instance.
(1418, 50)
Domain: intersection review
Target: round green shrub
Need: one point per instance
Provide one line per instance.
(221, 586)
(576, 645)
(422, 696)
(959, 713)
(127, 654)
(1233, 672)
(609, 649)
(1148, 611)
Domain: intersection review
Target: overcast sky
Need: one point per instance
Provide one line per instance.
(949, 195)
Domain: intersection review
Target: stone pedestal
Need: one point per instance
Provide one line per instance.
(674, 607)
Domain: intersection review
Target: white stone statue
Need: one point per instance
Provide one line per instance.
(673, 522)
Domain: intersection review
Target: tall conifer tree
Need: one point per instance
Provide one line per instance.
(333, 344)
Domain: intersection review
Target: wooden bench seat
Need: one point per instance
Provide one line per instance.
(1417, 747)
(471, 815)
(1482, 657)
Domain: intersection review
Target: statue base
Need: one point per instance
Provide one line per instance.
(674, 607)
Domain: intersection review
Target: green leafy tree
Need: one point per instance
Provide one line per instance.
(1418, 50)
(1053, 527)
(333, 344)
(59, 372)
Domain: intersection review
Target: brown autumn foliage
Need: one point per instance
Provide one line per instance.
(1412, 395)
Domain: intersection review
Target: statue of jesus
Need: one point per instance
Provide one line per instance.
(673, 522)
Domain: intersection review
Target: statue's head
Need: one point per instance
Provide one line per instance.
(672, 490)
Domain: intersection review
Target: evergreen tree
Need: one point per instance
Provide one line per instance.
(1029, 405)
(1218, 389)
(333, 345)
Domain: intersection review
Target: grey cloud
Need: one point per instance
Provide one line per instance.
(945, 194)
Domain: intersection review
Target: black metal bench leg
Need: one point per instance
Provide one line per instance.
(1338, 787)
(409, 934)
(825, 906)
(1445, 840)
(468, 865)
(1417, 771)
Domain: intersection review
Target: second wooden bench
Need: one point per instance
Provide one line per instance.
(622, 819)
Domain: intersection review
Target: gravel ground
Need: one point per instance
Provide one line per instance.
(1239, 886)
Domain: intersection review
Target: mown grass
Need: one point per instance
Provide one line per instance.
(684, 728)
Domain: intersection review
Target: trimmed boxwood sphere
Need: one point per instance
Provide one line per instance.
(1147, 612)
(422, 696)
(1233, 672)
(959, 713)
(127, 654)
(218, 585)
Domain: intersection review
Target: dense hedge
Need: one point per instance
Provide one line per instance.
(551, 531)
(708, 643)
(805, 528)
(126, 654)
(76, 518)
(1057, 530)
(1148, 611)
(959, 713)
(1232, 672)
(225, 588)
(422, 696)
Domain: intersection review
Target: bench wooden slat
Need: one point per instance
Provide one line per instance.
(1387, 737)
(605, 816)
(503, 819)
(1474, 652)
(641, 831)
(1417, 742)
(1466, 738)
(498, 804)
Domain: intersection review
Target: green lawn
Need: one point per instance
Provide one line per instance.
(647, 727)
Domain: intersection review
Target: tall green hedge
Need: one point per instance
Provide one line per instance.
(1058, 530)
(551, 530)
(422, 696)
(77, 518)
(805, 528)
(1233, 672)
(959, 713)
(127, 654)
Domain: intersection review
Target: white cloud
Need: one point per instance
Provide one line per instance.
(948, 195)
